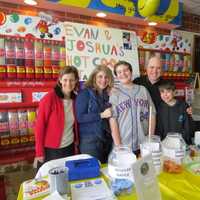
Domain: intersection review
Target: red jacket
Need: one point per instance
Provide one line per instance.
(50, 123)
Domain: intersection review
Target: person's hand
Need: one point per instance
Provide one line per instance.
(106, 113)
(189, 110)
(36, 160)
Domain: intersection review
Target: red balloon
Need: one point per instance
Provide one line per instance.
(2, 18)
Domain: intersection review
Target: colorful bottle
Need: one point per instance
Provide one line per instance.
(20, 57)
(62, 62)
(23, 121)
(31, 113)
(2, 58)
(176, 62)
(185, 63)
(55, 54)
(147, 56)
(141, 60)
(180, 67)
(171, 64)
(167, 62)
(13, 122)
(10, 57)
(39, 58)
(29, 57)
(4, 125)
(47, 59)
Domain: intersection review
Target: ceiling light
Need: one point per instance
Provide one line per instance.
(152, 23)
(30, 2)
(101, 14)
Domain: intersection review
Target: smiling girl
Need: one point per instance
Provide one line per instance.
(56, 132)
(93, 111)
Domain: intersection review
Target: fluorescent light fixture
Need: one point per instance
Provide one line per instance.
(30, 2)
(152, 23)
(101, 14)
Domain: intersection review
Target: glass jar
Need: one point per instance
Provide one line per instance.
(174, 150)
(153, 145)
(120, 170)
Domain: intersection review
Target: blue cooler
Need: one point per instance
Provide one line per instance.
(83, 168)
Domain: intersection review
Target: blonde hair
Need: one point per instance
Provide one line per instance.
(91, 82)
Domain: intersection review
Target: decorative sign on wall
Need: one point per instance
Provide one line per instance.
(41, 26)
(177, 41)
(88, 46)
(167, 11)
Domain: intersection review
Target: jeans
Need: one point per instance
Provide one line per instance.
(51, 154)
(95, 147)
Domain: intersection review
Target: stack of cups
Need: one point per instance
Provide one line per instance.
(152, 146)
(59, 180)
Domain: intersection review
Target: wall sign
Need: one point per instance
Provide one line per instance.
(88, 46)
(167, 11)
(43, 26)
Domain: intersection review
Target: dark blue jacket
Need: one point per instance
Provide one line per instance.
(89, 105)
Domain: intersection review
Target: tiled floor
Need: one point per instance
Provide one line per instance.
(15, 176)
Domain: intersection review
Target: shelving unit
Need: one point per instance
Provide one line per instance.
(175, 65)
(28, 70)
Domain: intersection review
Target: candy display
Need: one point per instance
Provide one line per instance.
(55, 58)
(28, 57)
(31, 115)
(2, 51)
(23, 121)
(47, 59)
(20, 58)
(13, 122)
(10, 57)
(174, 65)
(4, 123)
(62, 61)
(2, 58)
(39, 58)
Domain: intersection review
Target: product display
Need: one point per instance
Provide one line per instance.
(175, 65)
(13, 122)
(4, 123)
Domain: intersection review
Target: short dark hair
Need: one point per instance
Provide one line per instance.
(69, 70)
(167, 85)
(122, 62)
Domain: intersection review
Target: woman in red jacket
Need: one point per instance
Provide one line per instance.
(56, 134)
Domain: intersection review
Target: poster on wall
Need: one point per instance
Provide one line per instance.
(176, 41)
(43, 26)
(88, 46)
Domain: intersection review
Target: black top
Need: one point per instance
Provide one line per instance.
(152, 88)
(174, 119)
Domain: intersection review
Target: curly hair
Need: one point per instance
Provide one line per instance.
(91, 82)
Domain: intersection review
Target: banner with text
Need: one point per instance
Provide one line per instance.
(88, 46)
